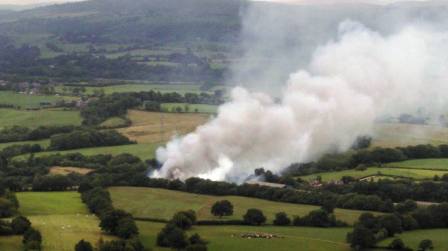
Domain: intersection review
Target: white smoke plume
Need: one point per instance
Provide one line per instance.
(349, 83)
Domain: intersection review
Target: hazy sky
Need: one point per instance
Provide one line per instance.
(23, 2)
(340, 1)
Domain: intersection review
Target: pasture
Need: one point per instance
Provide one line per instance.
(428, 164)
(42, 143)
(153, 127)
(189, 108)
(25, 101)
(228, 237)
(413, 238)
(163, 88)
(46, 117)
(416, 174)
(162, 204)
(395, 134)
(61, 217)
(11, 243)
(114, 122)
(143, 151)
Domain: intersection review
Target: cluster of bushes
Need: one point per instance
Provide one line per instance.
(376, 156)
(20, 225)
(113, 221)
(8, 203)
(318, 218)
(396, 190)
(370, 229)
(117, 104)
(16, 150)
(20, 133)
(123, 169)
(54, 182)
(173, 235)
(87, 138)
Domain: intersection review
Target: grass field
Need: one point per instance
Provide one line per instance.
(11, 117)
(11, 243)
(162, 204)
(143, 151)
(180, 88)
(376, 171)
(114, 122)
(45, 203)
(394, 134)
(434, 164)
(147, 126)
(192, 108)
(26, 101)
(413, 238)
(43, 143)
(228, 238)
(61, 217)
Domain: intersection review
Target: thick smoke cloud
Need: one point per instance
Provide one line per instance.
(349, 83)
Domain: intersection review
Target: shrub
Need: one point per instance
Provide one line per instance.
(83, 245)
(254, 217)
(20, 225)
(281, 219)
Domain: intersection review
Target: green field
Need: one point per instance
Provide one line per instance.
(143, 151)
(45, 203)
(61, 217)
(413, 238)
(114, 122)
(377, 171)
(27, 101)
(43, 143)
(429, 164)
(192, 108)
(180, 88)
(11, 117)
(162, 204)
(228, 238)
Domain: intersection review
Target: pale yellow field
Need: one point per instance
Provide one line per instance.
(154, 127)
(394, 134)
(58, 170)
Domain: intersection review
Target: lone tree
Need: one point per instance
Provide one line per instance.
(254, 216)
(222, 208)
(83, 245)
(425, 245)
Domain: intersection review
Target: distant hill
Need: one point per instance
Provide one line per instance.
(131, 21)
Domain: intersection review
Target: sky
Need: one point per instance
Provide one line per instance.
(25, 2)
(381, 2)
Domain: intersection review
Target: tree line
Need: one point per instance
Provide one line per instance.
(21, 133)
(117, 104)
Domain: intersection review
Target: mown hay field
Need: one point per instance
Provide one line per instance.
(155, 127)
(395, 134)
